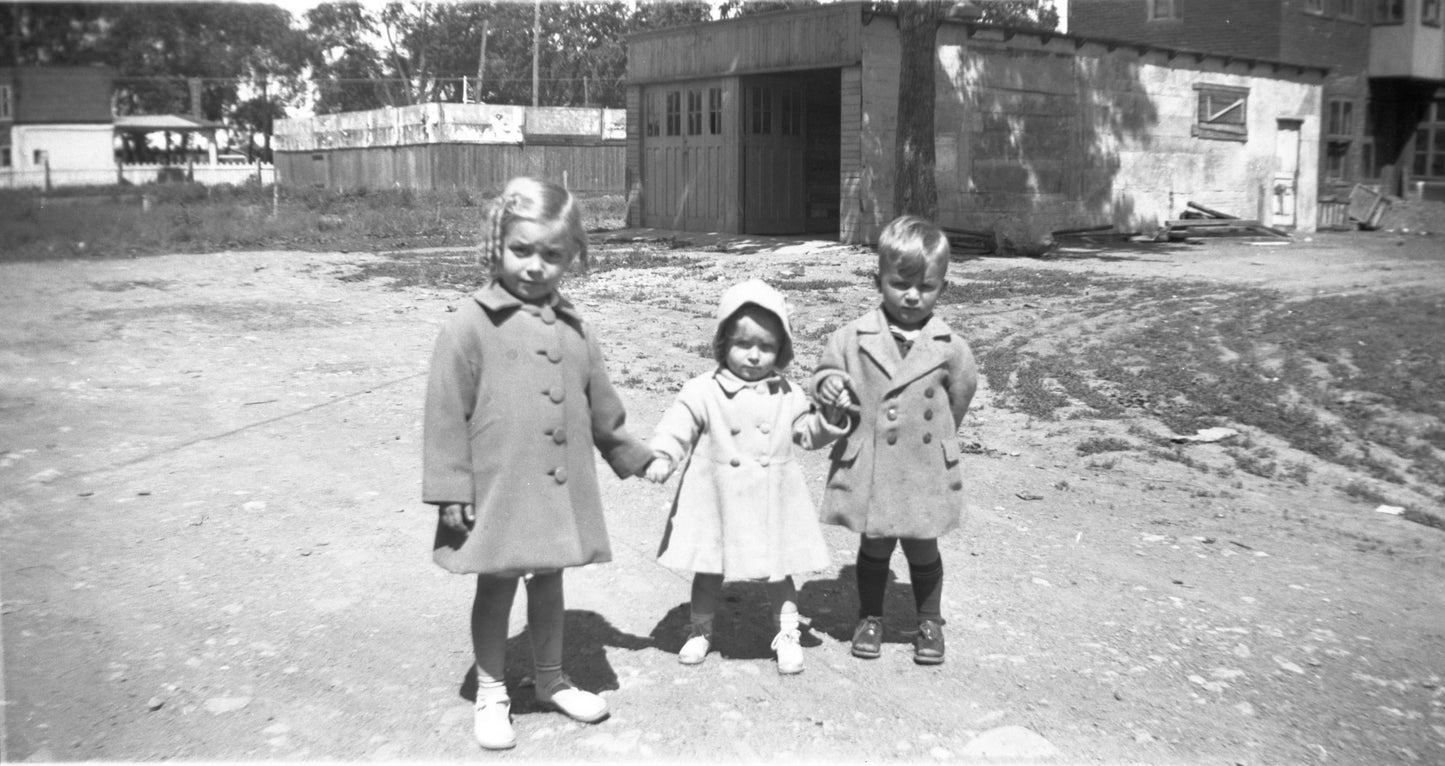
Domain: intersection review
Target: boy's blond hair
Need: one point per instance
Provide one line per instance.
(529, 199)
(910, 244)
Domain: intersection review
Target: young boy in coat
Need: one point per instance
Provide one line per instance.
(896, 479)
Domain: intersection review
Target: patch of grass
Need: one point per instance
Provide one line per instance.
(812, 285)
(113, 221)
(1423, 517)
(1095, 445)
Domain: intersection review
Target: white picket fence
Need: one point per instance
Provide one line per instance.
(201, 173)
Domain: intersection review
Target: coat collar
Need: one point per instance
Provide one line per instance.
(496, 299)
(876, 342)
(731, 384)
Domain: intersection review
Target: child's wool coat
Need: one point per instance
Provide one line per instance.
(742, 507)
(517, 399)
(898, 473)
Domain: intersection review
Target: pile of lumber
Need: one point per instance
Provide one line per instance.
(1200, 221)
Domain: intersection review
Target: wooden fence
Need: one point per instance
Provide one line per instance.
(481, 167)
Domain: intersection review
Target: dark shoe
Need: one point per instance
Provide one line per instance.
(928, 644)
(868, 638)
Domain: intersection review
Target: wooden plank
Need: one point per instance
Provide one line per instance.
(1210, 211)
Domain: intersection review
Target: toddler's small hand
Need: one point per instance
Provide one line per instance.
(457, 516)
(658, 470)
(830, 389)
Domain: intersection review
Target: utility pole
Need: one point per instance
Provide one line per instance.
(482, 62)
(536, 47)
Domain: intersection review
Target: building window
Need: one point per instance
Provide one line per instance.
(1389, 11)
(790, 113)
(1342, 118)
(1430, 13)
(6, 110)
(1223, 112)
(714, 111)
(762, 99)
(1339, 137)
(1315, 6)
(1165, 10)
(674, 113)
(694, 113)
(1430, 143)
(653, 116)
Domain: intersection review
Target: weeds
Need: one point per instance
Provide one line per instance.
(1097, 444)
(1192, 358)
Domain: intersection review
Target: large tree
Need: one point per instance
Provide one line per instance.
(914, 188)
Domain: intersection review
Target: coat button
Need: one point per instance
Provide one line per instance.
(556, 394)
(735, 462)
(892, 414)
(559, 436)
(928, 393)
(765, 427)
(763, 461)
(553, 355)
(927, 438)
(928, 414)
(735, 430)
(559, 475)
(892, 438)
(548, 315)
(956, 485)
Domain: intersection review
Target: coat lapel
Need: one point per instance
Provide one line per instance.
(876, 343)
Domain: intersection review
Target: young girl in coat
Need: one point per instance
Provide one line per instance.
(516, 402)
(896, 479)
(742, 509)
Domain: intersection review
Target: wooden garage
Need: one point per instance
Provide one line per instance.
(736, 126)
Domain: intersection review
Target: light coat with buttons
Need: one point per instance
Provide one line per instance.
(517, 400)
(898, 473)
(742, 507)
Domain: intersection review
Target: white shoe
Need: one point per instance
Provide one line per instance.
(695, 650)
(573, 702)
(492, 724)
(790, 652)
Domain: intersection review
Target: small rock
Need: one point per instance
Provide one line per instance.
(154, 704)
(46, 476)
(1009, 742)
(221, 705)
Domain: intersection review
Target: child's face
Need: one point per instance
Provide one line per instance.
(909, 300)
(535, 255)
(753, 346)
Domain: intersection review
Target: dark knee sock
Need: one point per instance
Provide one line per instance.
(872, 583)
(928, 589)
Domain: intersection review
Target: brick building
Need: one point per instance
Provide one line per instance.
(1383, 114)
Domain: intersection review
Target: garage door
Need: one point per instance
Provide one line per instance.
(689, 178)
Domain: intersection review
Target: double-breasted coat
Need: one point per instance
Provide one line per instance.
(898, 473)
(742, 507)
(517, 399)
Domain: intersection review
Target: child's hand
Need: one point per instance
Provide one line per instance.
(457, 516)
(830, 389)
(659, 469)
(833, 393)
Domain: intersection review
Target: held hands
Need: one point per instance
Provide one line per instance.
(659, 469)
(457, 516)
(833, 394)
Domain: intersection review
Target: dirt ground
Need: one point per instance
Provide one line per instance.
(214, 548)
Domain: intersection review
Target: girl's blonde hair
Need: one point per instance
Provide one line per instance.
(529, 199)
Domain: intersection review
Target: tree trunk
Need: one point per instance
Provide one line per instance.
(914, 189)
